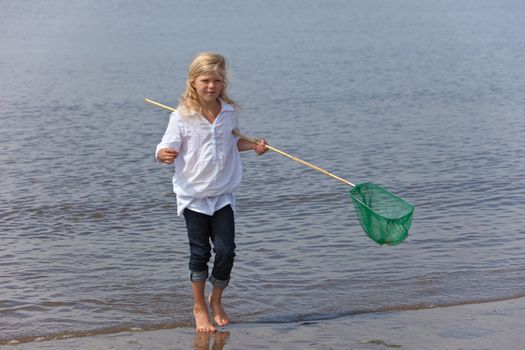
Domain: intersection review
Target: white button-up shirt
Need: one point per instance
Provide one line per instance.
(208, 168)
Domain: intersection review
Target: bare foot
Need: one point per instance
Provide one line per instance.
(219, 315)
(202, 320)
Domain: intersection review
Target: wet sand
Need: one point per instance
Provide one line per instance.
(492, 325)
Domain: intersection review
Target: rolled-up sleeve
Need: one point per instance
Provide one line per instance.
(173, 136)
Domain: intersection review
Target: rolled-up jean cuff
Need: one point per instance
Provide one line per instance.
(198, 276)
(221, 284)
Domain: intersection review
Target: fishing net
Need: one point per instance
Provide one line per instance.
(385, 217)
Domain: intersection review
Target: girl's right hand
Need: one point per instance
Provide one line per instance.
(167, 155)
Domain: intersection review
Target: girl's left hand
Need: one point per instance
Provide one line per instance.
(260, 147)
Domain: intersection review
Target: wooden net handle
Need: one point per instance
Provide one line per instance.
(253, 140)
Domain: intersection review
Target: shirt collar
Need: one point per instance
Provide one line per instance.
(225, 106)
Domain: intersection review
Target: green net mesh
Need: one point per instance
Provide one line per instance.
(385, 217)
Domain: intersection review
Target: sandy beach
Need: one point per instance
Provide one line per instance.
(491, 325)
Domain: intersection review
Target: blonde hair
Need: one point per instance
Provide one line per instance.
(204, 63)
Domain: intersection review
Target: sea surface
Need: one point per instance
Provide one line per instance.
(425, 98)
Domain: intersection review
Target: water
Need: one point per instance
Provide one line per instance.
(424, 98)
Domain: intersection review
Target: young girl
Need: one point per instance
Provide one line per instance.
(208, 169)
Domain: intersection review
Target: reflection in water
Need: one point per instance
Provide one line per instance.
(203, 340)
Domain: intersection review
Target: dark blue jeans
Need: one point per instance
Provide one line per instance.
(220, 229)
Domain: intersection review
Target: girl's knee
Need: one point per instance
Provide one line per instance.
(225, 252)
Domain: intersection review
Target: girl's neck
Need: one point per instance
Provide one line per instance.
(210, 110)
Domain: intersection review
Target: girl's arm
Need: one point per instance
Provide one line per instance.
(245, 145)
(167, 149)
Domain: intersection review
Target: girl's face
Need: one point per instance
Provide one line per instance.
(208, 87)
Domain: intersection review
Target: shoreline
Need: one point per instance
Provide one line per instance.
(486, 325)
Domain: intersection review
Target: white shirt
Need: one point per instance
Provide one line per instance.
(208, 168)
